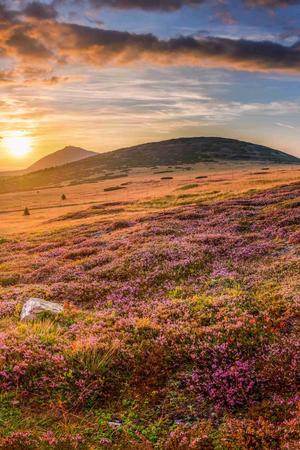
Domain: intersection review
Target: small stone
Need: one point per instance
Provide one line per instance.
(34, 306)
(115, 424)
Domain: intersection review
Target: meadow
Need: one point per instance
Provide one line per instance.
(180, 327)
(142, 189)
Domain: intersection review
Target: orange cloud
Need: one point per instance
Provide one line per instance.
(76, 43)
(49, 43)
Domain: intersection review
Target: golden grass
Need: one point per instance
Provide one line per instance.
(144, 190)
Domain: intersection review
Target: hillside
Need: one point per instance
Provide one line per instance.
(60, 157)
(180, 330)
(166, 153)
(191, 151)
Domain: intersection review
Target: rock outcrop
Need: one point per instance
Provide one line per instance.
(33, 306)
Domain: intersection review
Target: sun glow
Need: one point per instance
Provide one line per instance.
(18, 145)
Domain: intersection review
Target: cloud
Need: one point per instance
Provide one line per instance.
(285, 125)
(6, 76)
(272, 3)
(52, 43)
(75, 43)
(6, 15)
(33, 10)
(25, 45)
(40, 11)
(31, 75)
(145, 5)
(174, 5)
(224, 14)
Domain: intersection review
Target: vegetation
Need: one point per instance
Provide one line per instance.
(113, 188)
(174, 152)
(188, 186)
(179, 330)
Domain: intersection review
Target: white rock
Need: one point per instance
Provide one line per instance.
(115, 424)
(34, 306)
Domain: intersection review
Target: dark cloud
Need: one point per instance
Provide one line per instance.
(52, 42)
(31, 10)
(146, 5)
(40, 11)
(174, 5)
(6, 14)
(22, 44)
(100, 47)
(272, 3)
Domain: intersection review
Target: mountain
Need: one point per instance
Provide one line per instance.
(190, 151)
(166, 153)
(60, 157)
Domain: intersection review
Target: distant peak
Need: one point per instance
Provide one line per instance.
(61, 157)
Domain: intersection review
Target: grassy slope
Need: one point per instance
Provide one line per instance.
(165, 153)
(181, 325)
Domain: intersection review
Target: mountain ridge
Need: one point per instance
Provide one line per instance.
(172, 152)
(274, 155)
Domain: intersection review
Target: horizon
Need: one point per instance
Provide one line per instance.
(138, 144)
(109, 75)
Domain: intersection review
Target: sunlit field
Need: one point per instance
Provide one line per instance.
(179, 328)
(142, 190)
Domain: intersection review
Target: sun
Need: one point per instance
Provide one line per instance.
(18, 145)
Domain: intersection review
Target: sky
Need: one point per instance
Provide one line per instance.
(105, 74)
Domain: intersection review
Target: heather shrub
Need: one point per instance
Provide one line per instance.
(179, 330)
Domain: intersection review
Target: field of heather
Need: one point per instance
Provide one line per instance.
(179, 328)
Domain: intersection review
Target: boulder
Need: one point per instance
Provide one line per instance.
(33, 306)
(115, 424)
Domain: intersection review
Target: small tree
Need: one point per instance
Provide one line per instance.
(26, 212)
(63, 197)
